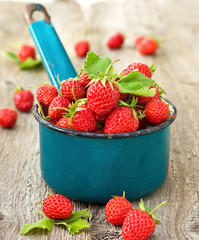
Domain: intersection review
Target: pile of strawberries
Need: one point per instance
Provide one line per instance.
(137, 224)
(101, 101)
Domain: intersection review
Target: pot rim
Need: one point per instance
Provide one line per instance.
(105, 135)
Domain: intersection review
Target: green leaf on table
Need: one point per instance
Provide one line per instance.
(12, 56)
(137, 84)
(30, 63)
(45, 223)
(96, 66)
(76, 221)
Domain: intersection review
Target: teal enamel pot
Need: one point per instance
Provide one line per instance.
(87, 166)
(92, 167)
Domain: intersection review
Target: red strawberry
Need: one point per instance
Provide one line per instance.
(121, 120)
(57, 206)
(70, 87)
(53, 121)
(64, 123)
(147, 46)
(84, 79)
(115, 41)
(26, 52)
(138, 40)
(102, 99)
(61, 102)
(84, 120)
(23, 100)
(142, 68)
(156, 111)
(142, 100)
(46, 93)
(116, 210)
(81, 48)
(8, 117)
(139, 224)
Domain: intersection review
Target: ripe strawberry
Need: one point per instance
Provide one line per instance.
(57, 206)
(23, 100)
(142, 100)
(72, 89)
(81, 48)
(84, 79)
(8, 117)
(46, 93)
(156, 111)
(53, 121)
(84, 121)
(61, 102)
(116, 210)
(138, 40)
(64, 122)
(142, 68)
(26, 52)
(121, 120)
(147, 46)
(115, 41)
(102, 99)
(139, 224)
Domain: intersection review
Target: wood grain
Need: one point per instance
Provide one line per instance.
(173, 22)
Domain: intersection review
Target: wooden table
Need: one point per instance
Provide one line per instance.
(177, 60)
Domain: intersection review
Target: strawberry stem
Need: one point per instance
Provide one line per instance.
(111, 66)
(40, 213)
(157, 207)
(40, 109)
(123, 194)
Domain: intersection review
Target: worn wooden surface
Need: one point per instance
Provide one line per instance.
(174, 22)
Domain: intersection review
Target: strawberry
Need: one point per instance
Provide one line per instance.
(46, 93)
(53, 121)
(26, 52)
(138, 40)
(115, 41)
(139, 224)
(8, 117)
(116, 210)
(142, 68)
(58, 102)
(64, 122)
(72, 89)
(23, 100)
(81, 48)
(147, 46)
(57, 206)
(143, 100)
(121, 120)
(156, 111)
(102, 99)
(84, 79)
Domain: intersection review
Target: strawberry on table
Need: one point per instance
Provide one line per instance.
(138, 40)
(116, 210)
(147, 46)
(139, 224)
(81, 48)
(25, 52)
(8, 117)
(115, 41)
(46, 93)
(23, 99)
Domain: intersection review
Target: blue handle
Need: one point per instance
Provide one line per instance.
(52, 52)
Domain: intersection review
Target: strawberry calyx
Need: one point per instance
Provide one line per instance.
(148, 210)
(153, 68)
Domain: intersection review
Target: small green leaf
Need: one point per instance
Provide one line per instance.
(157, 221)
(147, 209)
(76, 226)
(30, 63)
(11, 56)
(45, 223)
(141, 205)
(95, 66)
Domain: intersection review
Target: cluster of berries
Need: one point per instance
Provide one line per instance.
(144, 45)
(137, 224)
(23, 100)
(101, 101)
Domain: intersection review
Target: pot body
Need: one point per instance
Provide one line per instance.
(94, 169)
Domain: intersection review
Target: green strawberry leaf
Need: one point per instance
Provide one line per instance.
(75, 222)
(30, 63)
(45, 223)
(96, 66)
(11, 56)
(147, 209)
